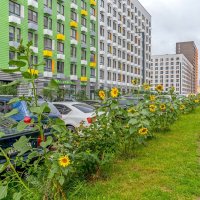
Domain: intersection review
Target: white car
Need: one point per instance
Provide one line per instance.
(75, 113)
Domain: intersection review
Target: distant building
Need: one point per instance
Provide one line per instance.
(173, 70)
(190, 51)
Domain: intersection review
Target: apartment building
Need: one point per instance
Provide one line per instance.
(124, 43)
(64, 35)
(190, 51)
(173, 70)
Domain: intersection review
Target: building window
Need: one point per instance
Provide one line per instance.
(83, 21)
(83, 71)
(48, 66)
(92, 57)
(32, 16)
(60, 47)
(92, 42)
(14, 34)
(14, 8)
(83, 38)
(73, 16)
(73, 52)
(83, 54)
(34, 38)
(34, 60)
(92, 11)
(73, 69)
(60, 9)
(83, 5)
(47, 44)
(60, 67)
(73, 34)
(47, 23)
(60, 28)
(92, 73)
(92, 26)
(48, 3)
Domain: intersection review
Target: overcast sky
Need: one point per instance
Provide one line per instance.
(173, 21)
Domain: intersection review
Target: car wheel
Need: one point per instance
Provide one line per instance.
(71, 129)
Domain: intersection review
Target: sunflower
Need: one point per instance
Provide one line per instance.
(134, 81)
(196, 101)
(146, 86)
(163, 107)
(64, 161)
(152, 108)
(102, 94)
(159, 88)
(143, 131)
(182, 107)
(152, 97)
(130, 110)
(114, 92)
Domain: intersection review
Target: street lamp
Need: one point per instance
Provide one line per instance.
(143, 55)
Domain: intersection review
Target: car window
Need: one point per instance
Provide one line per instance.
(64, 110)
(84, 108)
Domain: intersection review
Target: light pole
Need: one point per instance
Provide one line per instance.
(143, 56)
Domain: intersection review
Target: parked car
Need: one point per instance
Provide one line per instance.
(94, 103)
(127, 101)
(12, 135)
(75, 113)
(23, 110)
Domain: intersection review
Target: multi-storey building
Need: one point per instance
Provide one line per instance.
(64, 35)
(190, 51)
(124, 43)
(173, 70)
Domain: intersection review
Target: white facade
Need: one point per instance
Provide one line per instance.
(120, 46)
(173, 70)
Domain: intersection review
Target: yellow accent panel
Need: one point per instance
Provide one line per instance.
(84, 79)
(47, 53)
(60, 37)
(93, 3)
(33, 71)
(84, 12)
(93, 64)
(74, 24)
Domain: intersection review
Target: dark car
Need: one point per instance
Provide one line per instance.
(94, 103)
(23, 110)
(127, 101)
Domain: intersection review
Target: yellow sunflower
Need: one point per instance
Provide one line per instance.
(196, 101)
(146, 86)
(134, 81)
(143, 131)
(152, 97)
(152, 108)
(102, 94)
(159, 88)
(163, 107)
(114, 92)
(64, 161)
(182, 107)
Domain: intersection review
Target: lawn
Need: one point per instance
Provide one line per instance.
(166, 169)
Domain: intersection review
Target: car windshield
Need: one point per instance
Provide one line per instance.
(84, 108)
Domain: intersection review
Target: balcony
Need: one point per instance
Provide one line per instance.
(14, 44)
(92, 49)
(73, 77)
(83, 45)
(73, 6)
(47, 53)
(48, 32)
(60, 37)
(84, 79)
(74, 24)
(14, 19)
(84, 62)
(73, 41)
(93, 80)
(34, 49)
(84, 12)
(92, 33)
(47, 11)
(60, 17)
(83, 29)
(60, 56)
(93, 3)
(33, 3)
(48, 74)
(92, 18)
(60, 75)
(73, 59)
(32, 26)
(93, 64)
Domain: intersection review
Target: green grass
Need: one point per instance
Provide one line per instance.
(166, 169)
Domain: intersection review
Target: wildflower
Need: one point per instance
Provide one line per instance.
(152, 97)
(64, 161)
(163, 107)
(134, 81)
(196, 100)
(114, 92)
(152, 108)
(102, 94)
(143, 131)
(159, 88)
(146, 86)
(182, 107)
